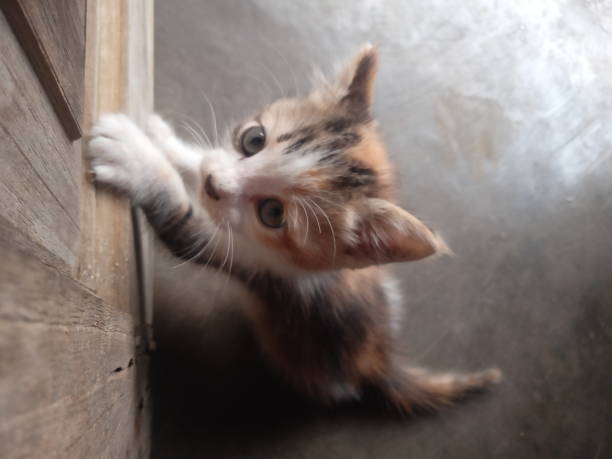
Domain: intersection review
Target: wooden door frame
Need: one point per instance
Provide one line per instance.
(76, 312)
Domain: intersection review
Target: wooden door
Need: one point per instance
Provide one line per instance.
(73, 263)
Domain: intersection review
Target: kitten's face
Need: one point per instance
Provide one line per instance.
(306, 183)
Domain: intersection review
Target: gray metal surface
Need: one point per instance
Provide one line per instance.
(499, 117)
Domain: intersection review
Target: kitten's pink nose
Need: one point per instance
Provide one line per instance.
(209, 187)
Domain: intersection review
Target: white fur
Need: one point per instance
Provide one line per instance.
(394, 297)
(185, 158)
(123, 157)
(311, 284)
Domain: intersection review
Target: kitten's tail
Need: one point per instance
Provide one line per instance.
(413, 389)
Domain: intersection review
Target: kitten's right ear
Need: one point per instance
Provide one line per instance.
(357, 81)
(383, 232)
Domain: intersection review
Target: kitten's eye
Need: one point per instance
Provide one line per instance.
(272, 213)
(253, 140)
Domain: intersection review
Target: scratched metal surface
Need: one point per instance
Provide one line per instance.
(499, 116)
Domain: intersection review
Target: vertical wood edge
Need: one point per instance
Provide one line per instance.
(86, 269)
(139, 103)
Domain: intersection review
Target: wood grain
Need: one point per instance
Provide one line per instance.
(39, 178)
(119, 77)
(106, 229)
(119, 40)
(69, 373)
(73, 366)
(52, 33)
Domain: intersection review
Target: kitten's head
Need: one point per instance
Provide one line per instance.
(306, 182)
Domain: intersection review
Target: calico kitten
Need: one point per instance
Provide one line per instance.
(299, 207)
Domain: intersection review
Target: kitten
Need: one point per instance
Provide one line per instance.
(297, 206)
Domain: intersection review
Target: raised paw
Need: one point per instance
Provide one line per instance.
(122, 156)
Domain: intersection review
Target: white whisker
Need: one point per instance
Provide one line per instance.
(201, 251)
(214, 117)
(314, 214)
(298, 200)
(331, 228)
(201, 139)
(188, 120)
(262, 82)
(295, 82)
(231, 262)
(196, 137)
(227, 252)
(275, 80)
(319, 196)
(214, 250)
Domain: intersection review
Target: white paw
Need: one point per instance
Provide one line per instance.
(122, 156)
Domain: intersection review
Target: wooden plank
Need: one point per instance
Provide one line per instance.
(118, 78)
(71, 381)
(52, 33)
(39, 179)
(69, 323)
(105, 217)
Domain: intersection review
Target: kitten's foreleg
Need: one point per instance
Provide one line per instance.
(124, 158)
(185, 158)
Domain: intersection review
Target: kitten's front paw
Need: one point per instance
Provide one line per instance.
(121, 155)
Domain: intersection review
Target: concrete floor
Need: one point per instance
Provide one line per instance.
(499, 117)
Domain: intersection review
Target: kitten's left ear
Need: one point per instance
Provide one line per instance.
(383, 232)
(357, 81)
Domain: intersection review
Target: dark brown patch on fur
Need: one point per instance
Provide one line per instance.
(337, 125)
(285, 137)
(300, 143)
(343, 141)
(306, 131)
(354, 174)
(331, 334)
